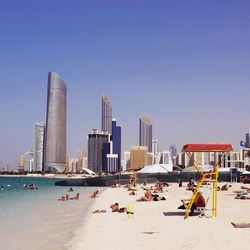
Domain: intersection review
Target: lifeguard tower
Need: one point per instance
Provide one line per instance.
(211, 176)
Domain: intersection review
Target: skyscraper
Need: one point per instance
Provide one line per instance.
(116, 139)
(55, 130)
(96, 156)
(106, 114)
(145, 132)
(38, 146)
(155, 149)
(138, 157)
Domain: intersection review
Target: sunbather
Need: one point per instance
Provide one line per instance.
(76, 197)
(147, 197)
(223, 188)
(112, 208)
(243, 195)
(94, 194)
(198, 202)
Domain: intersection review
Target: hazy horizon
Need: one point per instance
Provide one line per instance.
(184, 64)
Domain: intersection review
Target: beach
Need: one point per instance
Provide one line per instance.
(159, 224)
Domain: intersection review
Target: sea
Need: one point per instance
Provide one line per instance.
(35, 219)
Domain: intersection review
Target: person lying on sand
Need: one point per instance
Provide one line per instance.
(132, 193)
(147, 196)
(70, 189)
(198, 202)
(76, 197)
(95, 193)
(223, 188)
(156, 197)
(113, 208)
(243, 195)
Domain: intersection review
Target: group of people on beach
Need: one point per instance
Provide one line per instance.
(66, 196)
(152, 194)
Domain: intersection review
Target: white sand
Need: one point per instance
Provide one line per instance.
(152, 228)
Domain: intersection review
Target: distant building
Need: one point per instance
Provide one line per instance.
(138, 157)
(112, 165)
(247, 140)
(166, 157)
(21, 163)
(55, 130)
(29, 161)
(173, 150)
(145, 132)
(96, 141)
(106, 114)
(151, 158)
(158, 158)
(106, 150)
(39, 129)
(116, 139)
(155, 147)
(127, 159)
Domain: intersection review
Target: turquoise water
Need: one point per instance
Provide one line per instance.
(35, 218)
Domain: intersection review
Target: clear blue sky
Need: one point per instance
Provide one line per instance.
(185, 64)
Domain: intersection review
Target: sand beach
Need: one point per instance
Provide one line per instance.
(160, 225)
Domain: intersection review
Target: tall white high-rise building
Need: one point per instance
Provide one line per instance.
(155, 147)
(55, 131)
(39, 129)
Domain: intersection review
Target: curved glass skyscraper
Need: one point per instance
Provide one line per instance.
(55, 130)
(145, 133)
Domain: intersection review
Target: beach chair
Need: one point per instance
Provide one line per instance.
(203, 210)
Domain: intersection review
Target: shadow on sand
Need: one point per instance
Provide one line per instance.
(179, 213)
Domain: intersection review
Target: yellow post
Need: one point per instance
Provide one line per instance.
(130, 211)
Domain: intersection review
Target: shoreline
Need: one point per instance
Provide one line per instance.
(158, 225)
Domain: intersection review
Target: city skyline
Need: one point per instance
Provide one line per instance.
(184, 64)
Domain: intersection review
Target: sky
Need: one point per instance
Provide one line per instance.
(184, 64)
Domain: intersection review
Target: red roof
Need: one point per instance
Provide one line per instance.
(207, 148)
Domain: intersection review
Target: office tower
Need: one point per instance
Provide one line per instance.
(29, 161)
(116, 142)
(247, 140)
(151, 159)
(39, 129)
(138, 157)
(96, 141)
(145, 132)
(106, 114)
(166, 157)
(173, 150)
(158, 158)
(127, 159)
(155, 145)
(55, 130)
(112, 163)
(106, 149)
(21, 163)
